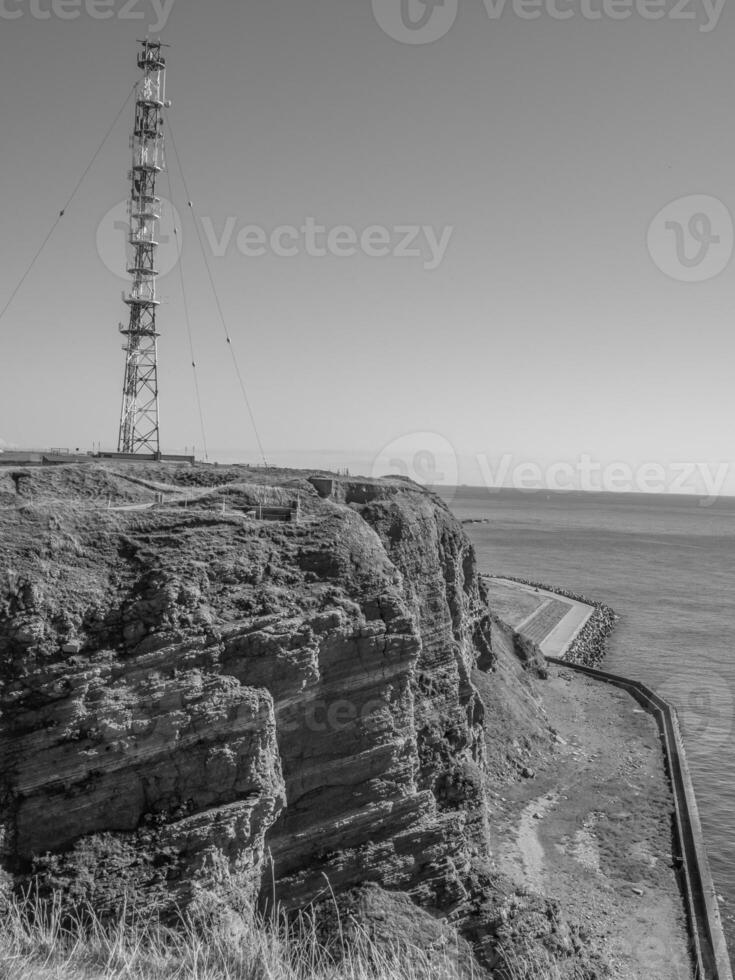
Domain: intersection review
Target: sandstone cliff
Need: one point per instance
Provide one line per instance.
(194, 696)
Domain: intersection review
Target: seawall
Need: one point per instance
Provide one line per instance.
(709, 948)
(587, 648)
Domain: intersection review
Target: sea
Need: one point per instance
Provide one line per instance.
(666, 565)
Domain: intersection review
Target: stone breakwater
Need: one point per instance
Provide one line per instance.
(590, 644)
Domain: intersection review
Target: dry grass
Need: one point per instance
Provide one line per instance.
(512, 603)
(37, 942)
(538, 964)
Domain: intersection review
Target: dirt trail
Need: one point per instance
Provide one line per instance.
(593, 829)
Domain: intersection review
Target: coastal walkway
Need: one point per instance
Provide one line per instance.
(555, 622)
(709, 949)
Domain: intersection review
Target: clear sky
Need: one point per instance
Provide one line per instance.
(543, 148)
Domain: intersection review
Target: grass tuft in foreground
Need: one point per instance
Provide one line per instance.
(39, 942)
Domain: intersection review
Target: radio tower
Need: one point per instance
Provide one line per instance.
(139, 415)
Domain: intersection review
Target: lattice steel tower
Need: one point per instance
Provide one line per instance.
(139, 431)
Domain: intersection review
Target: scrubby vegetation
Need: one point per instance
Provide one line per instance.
(40, 941)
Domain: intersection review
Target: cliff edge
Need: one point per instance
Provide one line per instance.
(221, 681)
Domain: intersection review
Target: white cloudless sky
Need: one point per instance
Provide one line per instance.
(547, 147)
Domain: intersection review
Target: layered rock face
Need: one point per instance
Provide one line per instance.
(193, 695)
(382, 752)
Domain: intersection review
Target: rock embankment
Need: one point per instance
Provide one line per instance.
(196, 702)
(589, 645)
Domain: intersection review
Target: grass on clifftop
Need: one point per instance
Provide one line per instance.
(36, 943)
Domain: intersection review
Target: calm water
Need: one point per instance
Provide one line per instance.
(667, 566)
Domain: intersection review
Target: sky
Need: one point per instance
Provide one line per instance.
(503, 243)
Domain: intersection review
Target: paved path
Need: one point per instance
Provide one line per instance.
(592, 830)
(555, 623)
(543, 620)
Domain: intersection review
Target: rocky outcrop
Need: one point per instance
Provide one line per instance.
(191, 694)
(392, 792)
(526, 650)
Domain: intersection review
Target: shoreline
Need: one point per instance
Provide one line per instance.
(711, 956)
(589, 827)
(584, 651)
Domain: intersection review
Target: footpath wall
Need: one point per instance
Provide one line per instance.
(709, 949)
(708, 939)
